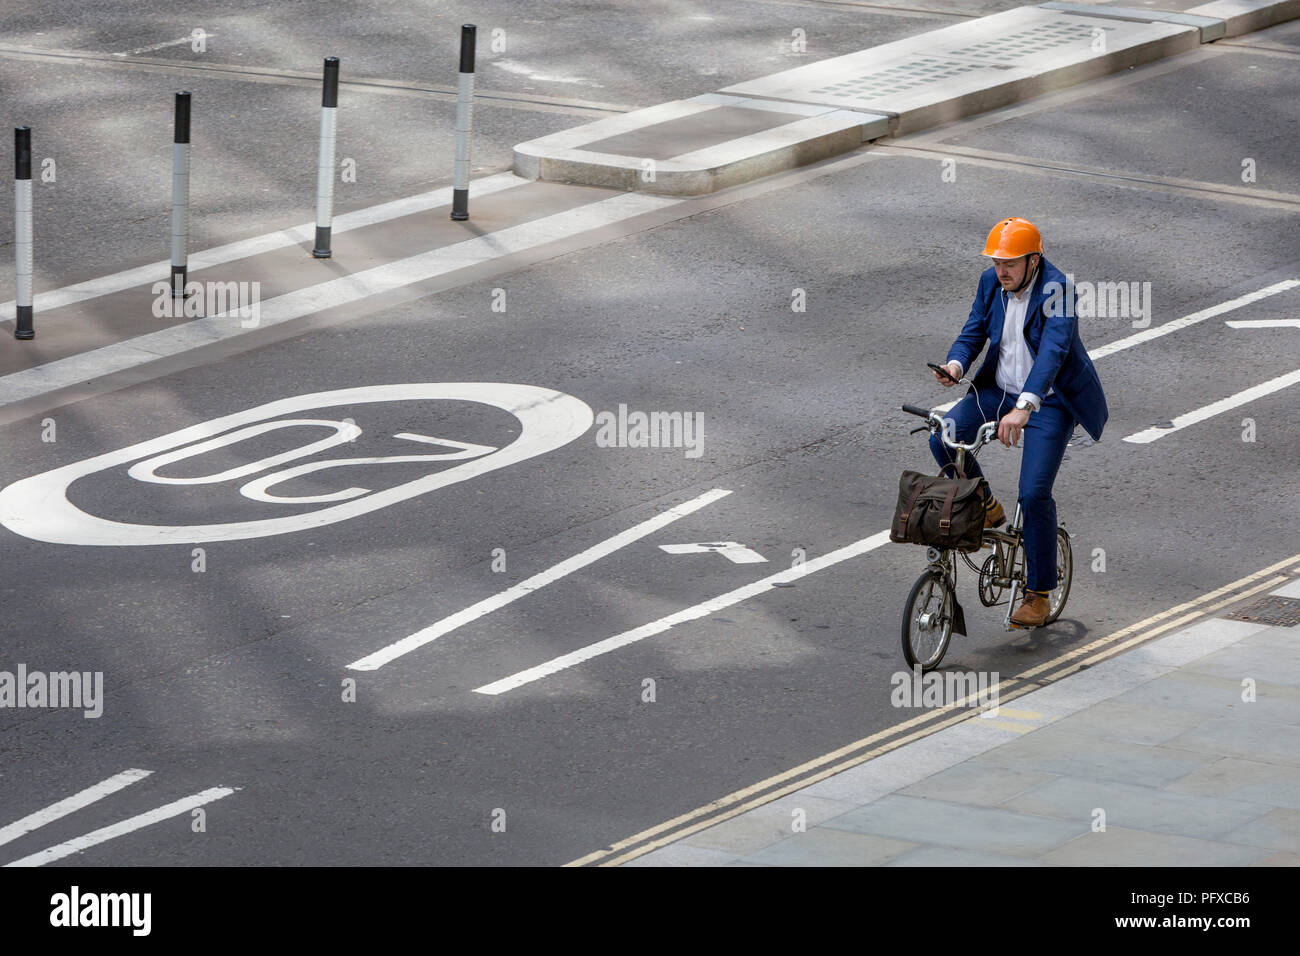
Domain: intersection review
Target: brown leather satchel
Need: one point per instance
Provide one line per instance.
(940, 512)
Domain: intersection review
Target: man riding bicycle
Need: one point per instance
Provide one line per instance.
(1038, 372)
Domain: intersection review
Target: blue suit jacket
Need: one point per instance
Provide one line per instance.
(1052, 333)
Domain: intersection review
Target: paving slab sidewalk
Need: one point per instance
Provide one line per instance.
(1156, 757)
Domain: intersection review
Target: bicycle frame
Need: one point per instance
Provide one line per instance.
(1008, 545)
(1008, 560)
(1003, 570)
(941, 560)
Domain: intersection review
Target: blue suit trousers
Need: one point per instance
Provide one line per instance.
(1044, 441)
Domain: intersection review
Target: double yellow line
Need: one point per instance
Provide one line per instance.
(882, 742)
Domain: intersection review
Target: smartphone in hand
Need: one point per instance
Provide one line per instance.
(943, 371)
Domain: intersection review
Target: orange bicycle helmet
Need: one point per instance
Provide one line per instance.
(1013, 238)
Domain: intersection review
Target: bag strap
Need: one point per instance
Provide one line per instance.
(945, 516)
(907, 508)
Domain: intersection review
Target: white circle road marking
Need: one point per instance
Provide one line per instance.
(38, 507)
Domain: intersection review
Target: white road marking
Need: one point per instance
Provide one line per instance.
(38, 507)
(147, 275)
(256, 489)
(733, 551)
(1262, 323)
(1222, 405)
(163, 46)
(537, 581)
(705, 608)
(345, 290)
(523, 69)
(138, 822)
(1146, 335)
(85, 798)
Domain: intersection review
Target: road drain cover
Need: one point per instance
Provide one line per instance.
(1272, 610)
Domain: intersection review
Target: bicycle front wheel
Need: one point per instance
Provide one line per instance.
(927, 620)
(1064, 575)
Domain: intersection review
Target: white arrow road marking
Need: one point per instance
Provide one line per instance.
(703, 609)
(137, 822)
(146, 275)
(1222, 405)
(70, 804)
(1262, 323)
(554, 573)
(731, 550)
(1146, 335)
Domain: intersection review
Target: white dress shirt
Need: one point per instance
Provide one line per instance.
(1014, 360)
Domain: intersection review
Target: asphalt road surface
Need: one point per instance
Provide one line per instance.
(512, 729)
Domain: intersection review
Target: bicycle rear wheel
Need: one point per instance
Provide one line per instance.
(1064, 575)
(927, 620)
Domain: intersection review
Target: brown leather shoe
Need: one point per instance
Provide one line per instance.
(995, 515)
(1033, 612)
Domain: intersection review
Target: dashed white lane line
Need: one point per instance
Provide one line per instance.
(147, 275)
(1263, 323)
(99, 791)
(703, 609)
(1146, 335)
(344, 290)
(131, 824)
(1149, 435)
(554, 573)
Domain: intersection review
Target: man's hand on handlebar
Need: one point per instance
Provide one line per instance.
(1012, 424)
(953, 369)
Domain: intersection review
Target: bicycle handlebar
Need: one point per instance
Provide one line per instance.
(986, 433)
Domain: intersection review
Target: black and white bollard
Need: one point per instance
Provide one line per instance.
(325, 173)
(464, 120)
(23, 232)
(180, 194)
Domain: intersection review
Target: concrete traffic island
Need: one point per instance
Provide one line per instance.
(799, 116)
